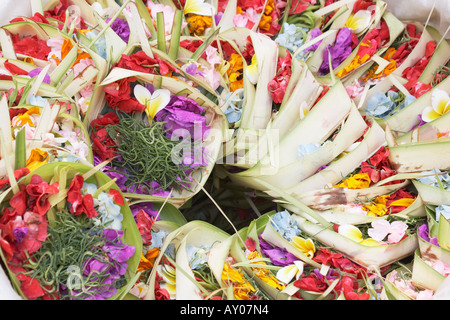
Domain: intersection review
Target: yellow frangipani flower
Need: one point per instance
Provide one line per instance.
(252, 71)
(359, 21)
(169, 283)
(154, 102)
(287, 273)
(353, 233)
(440, 104)
(304, 245)
(198, 7)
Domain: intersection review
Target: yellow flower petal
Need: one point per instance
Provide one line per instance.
(36, 159)
(159, 100)
(198, 7)
(405, 202)
(304, 109)
(440, 101)
(198, 24)
(359, 21)
(306, 246)
(252, 71)
(356, 181)
(154, 102)
(370, 242)
(440, 104)
(24, 118)
(429, 114)
(286, 274)
(351, 232)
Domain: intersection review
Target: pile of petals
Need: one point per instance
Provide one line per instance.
(77, 229)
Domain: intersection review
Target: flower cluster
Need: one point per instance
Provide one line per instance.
(34, 231)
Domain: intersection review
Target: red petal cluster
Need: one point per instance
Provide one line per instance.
(31, 46)
(102, 144)
(118, 96)
(80, 203)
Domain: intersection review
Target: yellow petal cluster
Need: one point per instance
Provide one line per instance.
(356, 181)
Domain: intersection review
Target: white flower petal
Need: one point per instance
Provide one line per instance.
(300, 267)
(286, 274)
(380, 229)
(252, 71)
(142, 94)
(429, 114)
(351, 232)
(439, 100)
(359, 21)
(158, 101)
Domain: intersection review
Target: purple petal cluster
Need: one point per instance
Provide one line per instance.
(146, 206)
(114, 264)
(314, 34)
(121, 27)
(184, 118)
(278, 256)
(424, 234)
(339, 51)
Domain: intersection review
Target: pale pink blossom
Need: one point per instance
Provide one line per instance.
(354, 90)
(402, 284)
(241, 20)
(439, 266)
(382, 228)
(82, 65)
(55, 44)
(426, 294)
(212, 56)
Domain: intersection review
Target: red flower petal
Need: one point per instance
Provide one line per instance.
(118, 97)
(31, 46)
(31, 288)
(11, 67)
(40, 191)
(74, 193)
(311, 283)
(117, 196)
(19, 202)
(250, 244)
(144, 223)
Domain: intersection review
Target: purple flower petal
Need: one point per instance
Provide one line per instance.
(339, 51)
(278, 256)
(121, 27)
(35, 72)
